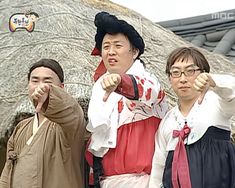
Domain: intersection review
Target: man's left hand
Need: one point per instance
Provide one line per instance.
(202, 84)
(40, 95)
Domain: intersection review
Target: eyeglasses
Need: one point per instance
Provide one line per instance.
(176, 73)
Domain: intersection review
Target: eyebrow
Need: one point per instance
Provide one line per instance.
(114, 42)
(45, 78)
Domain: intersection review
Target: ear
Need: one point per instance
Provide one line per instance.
(135, 53)
(169, 79)
(61, 85)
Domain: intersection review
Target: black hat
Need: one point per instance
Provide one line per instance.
(107, 23)
(51, 64)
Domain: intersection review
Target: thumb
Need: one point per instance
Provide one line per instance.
(39, 106)
(106, 96)
(201, 96)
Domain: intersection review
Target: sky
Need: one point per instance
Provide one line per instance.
(163, 10)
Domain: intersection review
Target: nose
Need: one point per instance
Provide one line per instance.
(111, 50)
(183, 78)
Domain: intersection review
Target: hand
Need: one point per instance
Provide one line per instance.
(40, 95)
(109, 84)
(202, 84)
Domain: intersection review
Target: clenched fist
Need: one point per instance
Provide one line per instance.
(110, 83)
(202, 84)
(40, 95)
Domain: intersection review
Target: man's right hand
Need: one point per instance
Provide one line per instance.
(110, 83)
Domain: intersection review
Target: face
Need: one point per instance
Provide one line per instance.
(183, 85)
(117, 53)
(33, 18)
(42, 75)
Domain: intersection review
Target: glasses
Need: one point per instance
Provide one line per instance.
(176, 73)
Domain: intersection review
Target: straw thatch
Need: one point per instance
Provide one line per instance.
(65, 32)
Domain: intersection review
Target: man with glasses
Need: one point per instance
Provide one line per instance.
(192, 146)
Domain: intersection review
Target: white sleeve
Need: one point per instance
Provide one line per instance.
(225, 89)
(151, 96)
(159, 158)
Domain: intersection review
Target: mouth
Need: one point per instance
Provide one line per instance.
(112, 61)
(183, 88)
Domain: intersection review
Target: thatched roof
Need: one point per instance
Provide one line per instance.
(65, 32)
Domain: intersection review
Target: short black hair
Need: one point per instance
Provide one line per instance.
(33, 13)
(51, 64)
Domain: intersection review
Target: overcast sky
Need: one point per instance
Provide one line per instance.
(162, 10)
